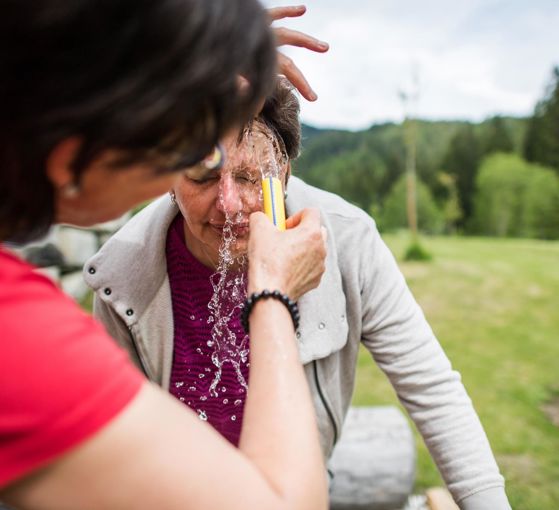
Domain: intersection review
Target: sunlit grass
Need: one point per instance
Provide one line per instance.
(494, 305)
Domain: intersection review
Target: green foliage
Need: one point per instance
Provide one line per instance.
(499, 201)
(416, 251)
(516, 198)
(364, 166)
(461, 161)
(497, 137)
(542, 137)
(451, 210)
(353, 165)
(542, 205)
(393, 212)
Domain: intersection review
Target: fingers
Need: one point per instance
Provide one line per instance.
(285, 36)
(292, 261)
(288, 11)
(294, 220)
(288, 68)
(300, 39)
(308, 216)
(259, 220)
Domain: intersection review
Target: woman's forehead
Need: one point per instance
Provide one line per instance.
(254, 148)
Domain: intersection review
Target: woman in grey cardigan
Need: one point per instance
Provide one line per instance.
(152, 266)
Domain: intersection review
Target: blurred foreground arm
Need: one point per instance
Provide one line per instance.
(285, 36)
(158, 454)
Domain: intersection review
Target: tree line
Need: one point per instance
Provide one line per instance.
(498, 177)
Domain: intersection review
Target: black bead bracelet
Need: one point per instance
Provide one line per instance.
(269, 294)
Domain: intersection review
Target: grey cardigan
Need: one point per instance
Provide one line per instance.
(362, 298)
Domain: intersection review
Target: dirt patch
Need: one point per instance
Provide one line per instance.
(551, 410)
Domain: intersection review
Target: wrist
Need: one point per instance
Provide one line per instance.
(265, 295)
(261, 280)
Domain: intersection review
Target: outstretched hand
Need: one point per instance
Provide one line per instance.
(286, 36)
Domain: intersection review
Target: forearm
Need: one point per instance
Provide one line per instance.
(178, 463)
(279, 433)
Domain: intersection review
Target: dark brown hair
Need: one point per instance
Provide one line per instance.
(147, 77)
(281, 114)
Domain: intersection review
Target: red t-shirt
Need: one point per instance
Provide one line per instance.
(61, 376)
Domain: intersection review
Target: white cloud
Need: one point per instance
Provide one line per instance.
(475, 58)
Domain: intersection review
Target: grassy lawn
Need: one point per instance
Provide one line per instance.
(494, 305)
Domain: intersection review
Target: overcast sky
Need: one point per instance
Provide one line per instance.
(473, 58)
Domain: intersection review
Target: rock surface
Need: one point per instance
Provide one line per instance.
(373, 464)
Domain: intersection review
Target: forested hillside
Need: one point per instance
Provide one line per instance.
(498, 177)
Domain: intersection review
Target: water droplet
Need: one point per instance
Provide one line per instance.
(223, 389)
(298, 335)
(321, 325)
(202, 415)
(192, 388)
(181, 399)
(210, 343)
(198, 350)
(179, 384)
(201, 376)
(238, 402)
(192, 317)
(208, 369)
(225, 401)
(233, 418)
(203, 398)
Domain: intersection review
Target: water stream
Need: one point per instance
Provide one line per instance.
(257, 150)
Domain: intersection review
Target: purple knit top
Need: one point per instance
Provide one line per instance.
(193, 371)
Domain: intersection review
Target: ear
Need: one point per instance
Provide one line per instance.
(59, 162)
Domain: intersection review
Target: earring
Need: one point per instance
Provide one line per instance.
(285, 196)
(70, 190)
(173, 197)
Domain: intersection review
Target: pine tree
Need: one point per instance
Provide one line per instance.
(497, 138)
(461, 161)
(542, 137)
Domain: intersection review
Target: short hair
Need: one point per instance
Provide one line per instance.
(146, 77)
(281, 114)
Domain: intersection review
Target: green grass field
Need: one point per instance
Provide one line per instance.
(494, 305)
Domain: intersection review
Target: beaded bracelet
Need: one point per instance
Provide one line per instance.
(267, 294)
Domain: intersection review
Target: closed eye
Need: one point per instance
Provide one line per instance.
(246, 179)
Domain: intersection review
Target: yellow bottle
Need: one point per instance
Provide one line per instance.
(274, 207)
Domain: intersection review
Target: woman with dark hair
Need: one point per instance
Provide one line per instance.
(103, 105)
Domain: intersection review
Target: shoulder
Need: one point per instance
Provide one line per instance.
(137, 248)
(151, 220)
(341, 218)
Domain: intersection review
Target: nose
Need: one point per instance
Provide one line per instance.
(229, 200)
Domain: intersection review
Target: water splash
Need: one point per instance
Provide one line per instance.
(261, 151)
(229, 286)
